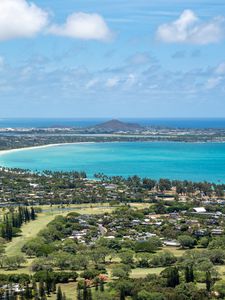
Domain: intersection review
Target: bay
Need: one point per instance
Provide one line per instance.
(191, 161)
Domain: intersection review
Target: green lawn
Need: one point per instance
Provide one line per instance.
(70, 289)
(176, 251)
(143, 272)
(29, 231)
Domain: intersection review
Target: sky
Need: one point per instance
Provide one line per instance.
(121, 58)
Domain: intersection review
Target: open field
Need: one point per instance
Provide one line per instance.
(70, 289)
(143, 272)
(29, 230)
(176, 251)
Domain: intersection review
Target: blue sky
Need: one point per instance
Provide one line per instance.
(122, 58)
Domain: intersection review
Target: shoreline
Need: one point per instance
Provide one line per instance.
(3, 152)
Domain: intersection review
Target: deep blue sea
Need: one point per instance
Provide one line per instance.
(192, 161)
(175, 123)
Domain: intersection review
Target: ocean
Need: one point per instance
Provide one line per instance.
(191, 161)
(76, 122)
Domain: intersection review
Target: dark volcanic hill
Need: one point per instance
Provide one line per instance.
(116, 125)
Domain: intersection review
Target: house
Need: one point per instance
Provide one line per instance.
(171, 243)
(199, 210)
(200, 232)
(217, 231)
(110, 237)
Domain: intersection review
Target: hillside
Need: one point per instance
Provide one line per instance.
(116, 125)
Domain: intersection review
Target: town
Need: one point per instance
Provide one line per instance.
(111, 131)
(93, 231)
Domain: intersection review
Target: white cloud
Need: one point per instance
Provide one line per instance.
(213, 82)
(83, 26)
(220, 69)
(2, 62)
(188, 28)
(92, 83)
(131, 80)
(18, 19)
(140, 59)
(112, 82)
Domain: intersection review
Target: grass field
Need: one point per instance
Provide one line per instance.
(143, 272)
(29, 230)
(70, 289)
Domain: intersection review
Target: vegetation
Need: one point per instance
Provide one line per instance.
(29, 137)
(151, 240)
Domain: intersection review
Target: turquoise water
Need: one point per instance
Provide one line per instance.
(192, 161)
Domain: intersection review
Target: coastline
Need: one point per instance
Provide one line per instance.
(3, 152)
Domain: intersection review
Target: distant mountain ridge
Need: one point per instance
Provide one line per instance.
(116, 125)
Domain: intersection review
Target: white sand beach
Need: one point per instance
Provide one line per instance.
(3, 152)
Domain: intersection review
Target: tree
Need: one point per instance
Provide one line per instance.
(220, 288)
(204, 242)
(41, 289)
(189, 274)
(89, 294)
(59, 295)
(187, 291)
(144, 295)
(98, 255)
(80, 261)
(217, 256)
(143, 259)
(35, 290)
(79, 296)
(32, 214)
(14, 262)
(27, 292)
(164, 185)
(2, 246)
(102, 285)
(172, 276)
(163, 259)
(48, 283)
(150, 245)
(218, 242)
(106, 295)
(121, 271)
(186, 241)
(124, 287)
(126, 256)
(62, 260)
(85, 291)
(208, 281)
(149, 183)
